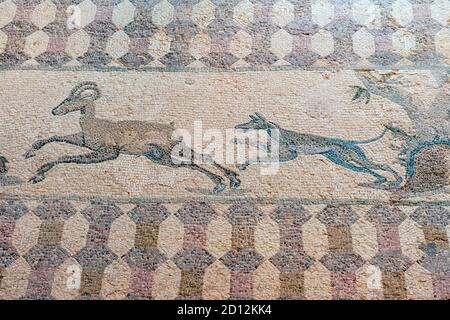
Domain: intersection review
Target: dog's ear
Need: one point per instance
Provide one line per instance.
(260, 116)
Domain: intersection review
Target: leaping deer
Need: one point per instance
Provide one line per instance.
(107, 139)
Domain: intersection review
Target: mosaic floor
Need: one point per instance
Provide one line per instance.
(352, 97)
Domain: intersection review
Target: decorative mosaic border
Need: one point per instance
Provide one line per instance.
(101, 249)
(216, 34)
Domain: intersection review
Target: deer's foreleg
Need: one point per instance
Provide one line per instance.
(162, 157)
(94, 157)
(76, 139)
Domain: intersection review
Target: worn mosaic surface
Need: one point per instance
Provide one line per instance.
(356, 205)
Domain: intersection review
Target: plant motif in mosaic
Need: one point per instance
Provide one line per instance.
(423, 152)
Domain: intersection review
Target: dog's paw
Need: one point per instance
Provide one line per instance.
(219, 188)
(29, 154)
(235, 183)
(37, 178)
(242, 167)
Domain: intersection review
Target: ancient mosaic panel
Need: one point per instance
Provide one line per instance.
(215, 149)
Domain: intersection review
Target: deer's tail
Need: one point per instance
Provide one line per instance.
(381, 135)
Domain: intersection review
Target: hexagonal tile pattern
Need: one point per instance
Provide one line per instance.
(36, 44)
(118, 44)
(282, 13)
(162, 13)
(366, 13)
(243, 13)
(322, 12)
(78, 43)
(322, 43)
(442, 40)
(402, 11)
(86, 11)
(159, 44)
(403, 42)
(44, 13)
(3, 41)
(200, 45)
(440, 11)
(363, 43)
(8, 11)
(281, 43)
(203, 13)
(123, 14)
(241, 44)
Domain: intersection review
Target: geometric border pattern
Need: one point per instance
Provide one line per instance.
(216, 34)
(61, 249)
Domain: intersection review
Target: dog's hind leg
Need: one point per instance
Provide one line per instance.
(336, 158)
(366, 163)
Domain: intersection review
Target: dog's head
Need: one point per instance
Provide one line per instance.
(257, 122)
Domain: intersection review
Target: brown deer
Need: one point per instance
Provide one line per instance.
(107, 139)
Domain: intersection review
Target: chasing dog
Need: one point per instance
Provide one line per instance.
(345, 153)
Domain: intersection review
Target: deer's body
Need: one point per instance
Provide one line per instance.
(108, 139)
(130, 136)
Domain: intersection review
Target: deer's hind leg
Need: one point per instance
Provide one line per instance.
(162, 157)
(94, 157)
(76, 139)
(231, 175)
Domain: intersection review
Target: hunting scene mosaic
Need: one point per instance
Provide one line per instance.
(224, 149)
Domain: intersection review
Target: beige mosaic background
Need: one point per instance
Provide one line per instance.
(306, 101)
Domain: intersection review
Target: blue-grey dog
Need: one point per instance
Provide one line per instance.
(345, 153)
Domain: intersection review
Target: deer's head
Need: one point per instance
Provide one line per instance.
(257, 122)
(82, 95)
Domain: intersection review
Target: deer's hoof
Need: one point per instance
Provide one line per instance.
(235, 183)
(219, 188)
(29, 154)
(36, 179)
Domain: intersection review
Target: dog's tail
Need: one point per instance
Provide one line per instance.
(381, 135)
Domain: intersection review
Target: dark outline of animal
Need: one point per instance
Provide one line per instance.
(108, 139)
(345, 153)
(3, 166)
